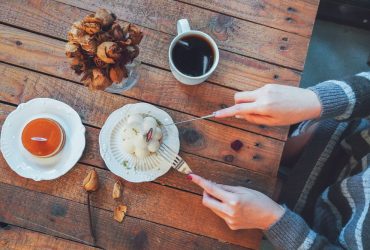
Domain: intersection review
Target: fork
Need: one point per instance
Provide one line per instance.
(176, 161)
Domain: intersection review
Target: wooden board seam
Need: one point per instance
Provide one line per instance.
(156, 182)
(139, 100)
(300, 68)
(136, 93)
(59, 66)
(39, 232)
(242, 19)
(256, 73)
(299, 71)
(95, 208)
(85, 161)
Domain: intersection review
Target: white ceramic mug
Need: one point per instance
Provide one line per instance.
(183, 29)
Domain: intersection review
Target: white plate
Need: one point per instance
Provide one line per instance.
(29, 166)
(127, 165)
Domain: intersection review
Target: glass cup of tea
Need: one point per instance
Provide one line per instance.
(193, 55)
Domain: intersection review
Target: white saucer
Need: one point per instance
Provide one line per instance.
(127, 165)
(29, 166)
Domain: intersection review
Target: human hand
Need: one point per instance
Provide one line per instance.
(240, 207)
(274, 105)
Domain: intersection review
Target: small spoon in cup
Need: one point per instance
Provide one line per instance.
(41, 139)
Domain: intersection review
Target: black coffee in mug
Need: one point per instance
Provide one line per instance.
(192, 55)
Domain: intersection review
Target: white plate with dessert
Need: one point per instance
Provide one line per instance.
(42, 139)
(130, 139)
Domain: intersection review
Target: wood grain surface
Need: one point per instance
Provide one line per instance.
(147, 201)
(260, 42)
(231, 34)
(155, 86)
(294, 16)
(214, 170)
(204, 138)
(205, 97)
(68, 219)
(16, 238)
(234, 71)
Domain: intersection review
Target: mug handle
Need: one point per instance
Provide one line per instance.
(182, 26)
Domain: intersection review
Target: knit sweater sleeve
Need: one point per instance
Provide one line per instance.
(345, 99)
(292, 232)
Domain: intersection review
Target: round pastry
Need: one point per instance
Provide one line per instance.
(43, 137)
(141, 135)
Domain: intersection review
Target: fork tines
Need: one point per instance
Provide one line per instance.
(176, 161)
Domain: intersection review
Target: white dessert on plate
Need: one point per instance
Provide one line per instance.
(130, 142)
(141, 135)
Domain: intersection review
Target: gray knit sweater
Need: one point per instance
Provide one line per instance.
(327, 193)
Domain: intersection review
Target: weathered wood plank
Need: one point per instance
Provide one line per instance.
(67, 219)
(294, 16)
(230, 33)
(201, 138)
(24, 48)
(234, 71)
(213, 170)
(15, 238)
(147, 201)
(316, 2)
(205, 98)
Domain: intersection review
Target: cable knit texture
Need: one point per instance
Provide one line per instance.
(292, 223)
(327, 192)
(333, 99)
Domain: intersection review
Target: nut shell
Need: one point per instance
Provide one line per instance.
(117, 190)
(91, 181)
(120, 212)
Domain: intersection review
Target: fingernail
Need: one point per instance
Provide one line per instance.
(189, 177)
(238, 116)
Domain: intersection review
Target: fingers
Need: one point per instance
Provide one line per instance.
(232, 189)
(220, 209)
(216, 206)
(237, 109)
(211, 188)
(245, 96)
(257, 119)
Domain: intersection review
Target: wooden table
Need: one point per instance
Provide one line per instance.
(260, 42)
